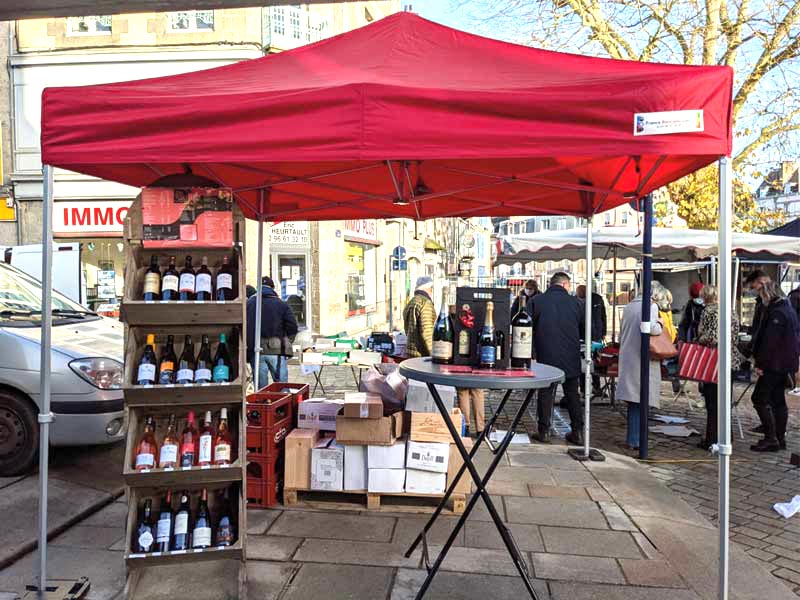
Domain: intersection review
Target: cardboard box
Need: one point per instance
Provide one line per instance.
(425, 482)
(387, 481)
(297, 466)
(428, 456)
(387, 457)
(419, 398)
(383, 431)
(454, 464)
(318, 413)
(355, 468)
(327, 466)
(430, 427)
(179, 218)
(361, 405)
(365, 357)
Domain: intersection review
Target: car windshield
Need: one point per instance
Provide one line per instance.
(21, 299)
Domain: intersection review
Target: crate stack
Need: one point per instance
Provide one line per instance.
(193, 318)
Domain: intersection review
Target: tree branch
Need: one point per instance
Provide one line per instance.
(784, 124)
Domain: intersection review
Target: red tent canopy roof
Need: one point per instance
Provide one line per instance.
(454, 124)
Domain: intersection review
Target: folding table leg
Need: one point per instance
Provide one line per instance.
(318, 382)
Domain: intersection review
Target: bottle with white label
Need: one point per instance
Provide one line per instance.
(225, 278)
(221, 373)
(203, 366)
(180, 535)
(443, 335)
(144, 532)
(152, 281)
(521, 337)
(206, 441)
(146, 371)
(186, 362)
(170, 281)
(147, 448)
(187, 281)
(168, 456)
(201, 535)
(202, 282)
(164, 525)
(222, 441)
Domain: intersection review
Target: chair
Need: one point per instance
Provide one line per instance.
(606, 365)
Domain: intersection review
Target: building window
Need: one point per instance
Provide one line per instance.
(278, 20)
(545, 224)
(624, 217)
(361, 276)
(624, 287)
(607, 219)
(530, 226)
(89, 25)
(191, 20)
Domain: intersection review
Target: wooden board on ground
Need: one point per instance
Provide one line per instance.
(415, 503)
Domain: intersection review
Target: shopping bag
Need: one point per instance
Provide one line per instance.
(661, 346)
(698, 363)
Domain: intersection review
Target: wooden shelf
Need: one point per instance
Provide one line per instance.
(139, 312)
(139, 561)
(183, 395)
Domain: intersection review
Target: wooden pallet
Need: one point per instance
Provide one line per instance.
(347, 500)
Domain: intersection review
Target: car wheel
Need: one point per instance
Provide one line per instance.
(19, 435)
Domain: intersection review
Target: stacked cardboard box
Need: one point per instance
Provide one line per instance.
(387, 468)
(318, 413)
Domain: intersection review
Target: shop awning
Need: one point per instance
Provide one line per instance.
(432, 245)
(403, 118)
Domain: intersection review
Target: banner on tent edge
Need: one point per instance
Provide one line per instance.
(669, 121)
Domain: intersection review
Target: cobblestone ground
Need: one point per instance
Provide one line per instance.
(758, 480)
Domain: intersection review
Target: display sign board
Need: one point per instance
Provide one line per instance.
(89, 217)
(362, 230)
(289, 233)
(669, 121)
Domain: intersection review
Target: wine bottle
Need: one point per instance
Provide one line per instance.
(187, 281)
(166, 364)
(222, 362)
(186, 362)
(170, 281)
(152, 281)
(144, 531)
(146, 372)
(205, 442)
(164, 525)
(487, 345)
(464, 343)
(500, 343)
(147, 448)
(202, 282)
(180, 536)
(201, 534)
(225, 278)
(521, 337)
(225, 530)
(189, 442)
(202, 373)
(443, 335)
(168, 457)
(222, 441)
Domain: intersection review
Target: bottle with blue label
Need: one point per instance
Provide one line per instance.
(221, 370)
(487, 345)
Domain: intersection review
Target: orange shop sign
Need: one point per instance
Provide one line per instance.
(89, 217)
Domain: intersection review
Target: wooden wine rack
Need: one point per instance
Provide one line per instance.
(183, 318)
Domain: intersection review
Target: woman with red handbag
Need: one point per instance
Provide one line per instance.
(707, 336)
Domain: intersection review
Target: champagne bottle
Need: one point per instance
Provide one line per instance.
(443, 335)
(225, 278)
(222, 441)
(180, 537)
(164, 526)
(464, 343)
(166, 364)
(187, 281)
(152, 281)
(225, 530)
(202, 373)
(144, 531)
(222, 362)
(201, 535)
(146, 373)
(186, 362)
(147, 448)
(202, 282)
(189, 442)
(168, 457)
(521, 336)
(205, 442)
(487, 345)
(170, 281)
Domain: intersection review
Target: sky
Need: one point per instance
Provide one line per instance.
(442, 11)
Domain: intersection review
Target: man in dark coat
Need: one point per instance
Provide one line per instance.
(558, 321)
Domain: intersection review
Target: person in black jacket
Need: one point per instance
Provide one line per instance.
(530, 290)
(278, 328)
(558, 320)
(690, 320)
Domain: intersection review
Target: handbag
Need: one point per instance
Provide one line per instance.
(661, 346)
(698, 363)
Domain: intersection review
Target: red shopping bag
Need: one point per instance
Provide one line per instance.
(698, 363)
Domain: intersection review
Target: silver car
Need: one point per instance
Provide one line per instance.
(87, 355)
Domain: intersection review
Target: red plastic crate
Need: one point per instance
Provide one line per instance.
(302, 393)
(269, 420)
(264, 481)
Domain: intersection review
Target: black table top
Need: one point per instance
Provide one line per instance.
(422, 369)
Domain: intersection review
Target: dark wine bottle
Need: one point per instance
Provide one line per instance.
(144, 532)
(170, 281)
(146, 372)
(443, 335)
(152, 281)
(500, 343)
(487, 344)
(202, 373)
(202, 282)
(226, 290)
(164, 526)
(187, 281)
(521, 336)
(201, 535)
(166, 363)
(180, 537)
(221, 372)
(226, 534)
(186, 362)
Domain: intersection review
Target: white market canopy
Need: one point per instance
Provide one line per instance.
(668, 244)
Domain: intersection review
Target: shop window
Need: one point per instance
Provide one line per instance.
(191, 20)
(361, 278)
(89, 25)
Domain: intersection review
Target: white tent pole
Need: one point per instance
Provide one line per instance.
(259, 271)
(614, 300)
(587, 395)
(724, 383)
(45, 416)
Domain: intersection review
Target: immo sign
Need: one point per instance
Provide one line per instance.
(90, 217)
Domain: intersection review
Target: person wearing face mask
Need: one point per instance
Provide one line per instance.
(753, 284)
(690, 320)
(530, 290)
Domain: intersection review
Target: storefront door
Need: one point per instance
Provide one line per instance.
(291, 282)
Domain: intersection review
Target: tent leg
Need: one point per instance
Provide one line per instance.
(45, 416)
(644, 373)
(587, 396)
(259, 275)
(724, 386)
(614, 300)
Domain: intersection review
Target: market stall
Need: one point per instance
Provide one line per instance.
(404, 118)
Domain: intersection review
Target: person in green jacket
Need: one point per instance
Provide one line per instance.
(419, 317)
